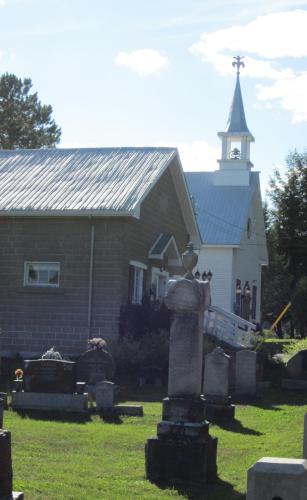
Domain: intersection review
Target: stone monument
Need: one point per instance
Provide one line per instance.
(277, 479)
(305, 437)
(246, 373)
(216, 385)
(49, 385)
(6, 471)
(183, 448)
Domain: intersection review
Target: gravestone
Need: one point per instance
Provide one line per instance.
(183, 448)
(49, 385)
(49, 375)
(6, 471)
(95, 365)
(305, 437)
(1, 412)
(246, 373)
(277, 479)
(297, 365)
(216, 385)
(105, 396)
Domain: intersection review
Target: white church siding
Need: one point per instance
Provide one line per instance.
(219, 261)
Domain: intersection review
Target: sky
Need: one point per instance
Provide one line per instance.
(159, 72)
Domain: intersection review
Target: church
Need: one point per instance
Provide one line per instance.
(229, 212)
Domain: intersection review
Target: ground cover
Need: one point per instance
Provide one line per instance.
(94, 460)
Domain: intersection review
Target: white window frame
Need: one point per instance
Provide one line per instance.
(156, 273)
(49, 266)
(138, 280)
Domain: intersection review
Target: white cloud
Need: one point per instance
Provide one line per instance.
(267, 40)
(290, 93)
(2, 3)
(195, 155)
(145, 62)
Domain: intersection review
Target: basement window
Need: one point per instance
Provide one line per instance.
(45, 274)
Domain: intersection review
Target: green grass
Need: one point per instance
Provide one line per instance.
(94, 460)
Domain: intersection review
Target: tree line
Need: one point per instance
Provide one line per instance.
(285, 279)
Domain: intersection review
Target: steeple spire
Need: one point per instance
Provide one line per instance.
(236, 120)
(236, 138)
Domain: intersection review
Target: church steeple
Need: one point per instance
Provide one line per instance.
(236, 138)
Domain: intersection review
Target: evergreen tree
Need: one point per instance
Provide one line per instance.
(24, 121)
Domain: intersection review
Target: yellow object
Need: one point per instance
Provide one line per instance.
(283, 312)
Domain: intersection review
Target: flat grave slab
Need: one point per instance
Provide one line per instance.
(22, 400)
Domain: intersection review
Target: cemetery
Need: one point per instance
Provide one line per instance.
(213, 437)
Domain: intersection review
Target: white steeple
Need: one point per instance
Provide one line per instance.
(235, 164)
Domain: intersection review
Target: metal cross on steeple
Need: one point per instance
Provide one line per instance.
(238, 62)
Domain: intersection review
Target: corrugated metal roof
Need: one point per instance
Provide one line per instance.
(79, 180)
(222, 211)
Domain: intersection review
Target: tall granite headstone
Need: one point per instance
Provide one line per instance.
(246, 373)
(183, 448)
(216, 385)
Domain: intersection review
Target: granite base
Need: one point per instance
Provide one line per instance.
(217, 412)
(183, 409)
(174, 460)
(130, 410)
(77, 403)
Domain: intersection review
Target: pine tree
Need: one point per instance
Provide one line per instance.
(24, 121)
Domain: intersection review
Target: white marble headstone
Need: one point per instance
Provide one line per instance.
(246, 372)
(216, 374)
(104, 393)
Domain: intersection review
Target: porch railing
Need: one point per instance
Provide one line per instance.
(229, 328)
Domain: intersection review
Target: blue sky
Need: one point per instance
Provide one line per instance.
(158, 72)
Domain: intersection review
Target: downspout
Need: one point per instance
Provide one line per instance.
(90, 281)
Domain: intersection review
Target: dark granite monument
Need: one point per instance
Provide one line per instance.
(49, 375)
(95, 365)
(183, 449)
(49, 385)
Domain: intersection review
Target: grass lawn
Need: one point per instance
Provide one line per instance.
(94, 460)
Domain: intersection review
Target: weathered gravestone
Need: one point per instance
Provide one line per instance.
(246, 373)
(297, 372)
(95, 365)
(49, 375)
(105, 396)
(216, 385)
(183, 448)
(305, 437)
(277, 479)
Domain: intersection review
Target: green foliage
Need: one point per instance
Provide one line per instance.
(57, 460)
(286, 228)
(132, 354)
(293, 347)
(24, 121)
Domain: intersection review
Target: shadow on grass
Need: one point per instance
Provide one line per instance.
(273, 398)
(147, 394)
(236, 426)
(79, 418)
(213, 491)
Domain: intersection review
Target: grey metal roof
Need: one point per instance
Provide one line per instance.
(221, 211)
(236, 120)
(96, 180)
